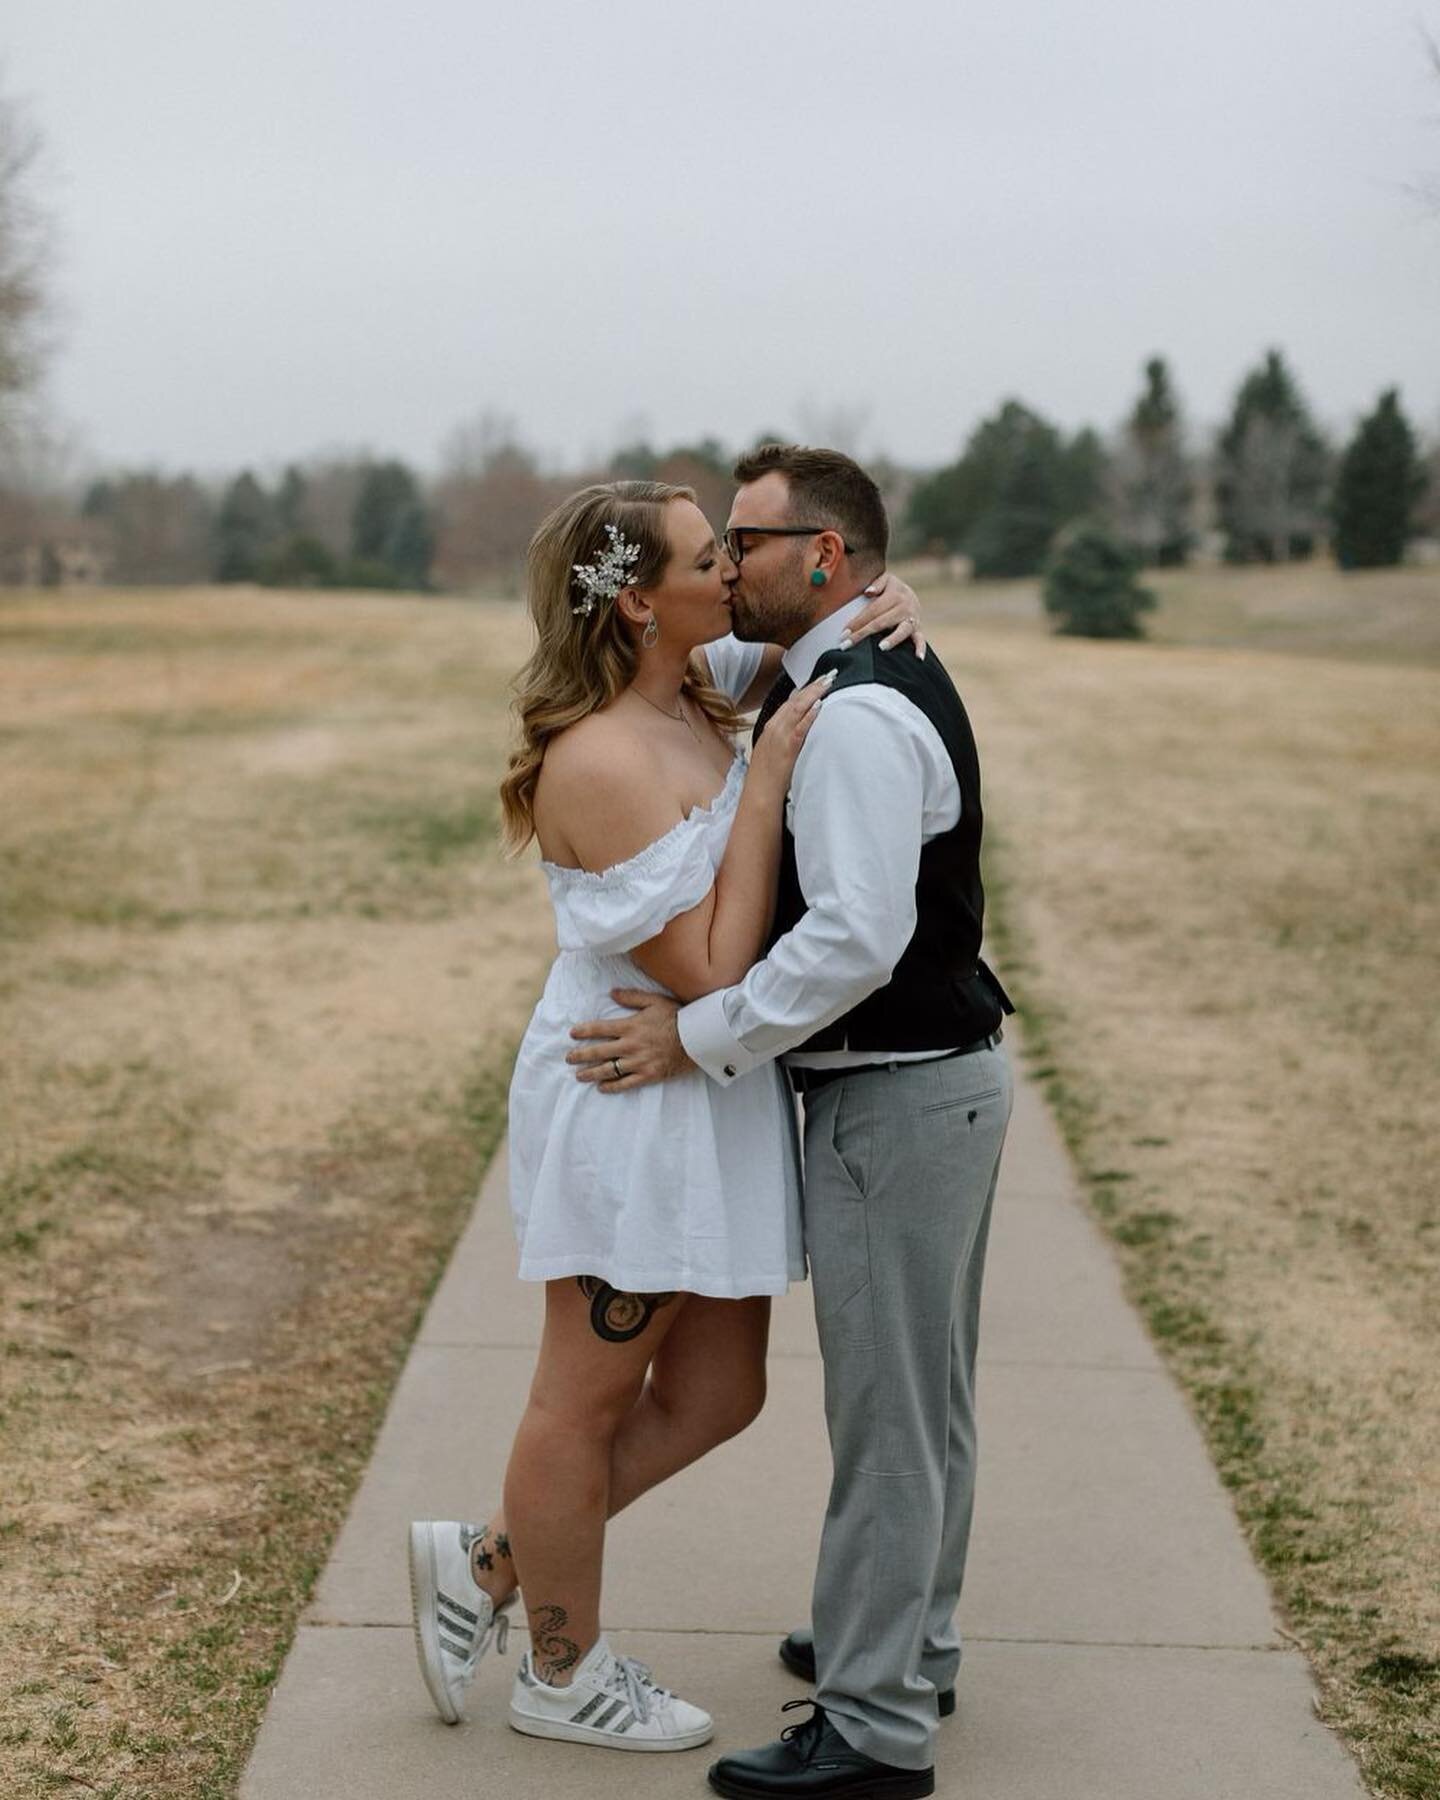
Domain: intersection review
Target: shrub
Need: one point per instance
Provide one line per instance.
(298, 561)
(1090, 586)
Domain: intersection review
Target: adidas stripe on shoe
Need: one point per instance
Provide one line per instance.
(612, 1702)
(455, 1619)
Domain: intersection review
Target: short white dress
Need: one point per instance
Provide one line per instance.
(678, 1186)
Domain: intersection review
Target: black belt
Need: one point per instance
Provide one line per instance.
(806, 1081)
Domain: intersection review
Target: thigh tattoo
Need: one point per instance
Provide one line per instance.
(615, 1316)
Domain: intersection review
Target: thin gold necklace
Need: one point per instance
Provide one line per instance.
(680, 716)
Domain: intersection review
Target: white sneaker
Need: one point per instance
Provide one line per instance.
(611, 1702)
(455, 1619)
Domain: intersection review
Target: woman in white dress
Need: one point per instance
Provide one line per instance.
(661, 1218)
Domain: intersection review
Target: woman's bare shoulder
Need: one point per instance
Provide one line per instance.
(600, 785)
(602, 750)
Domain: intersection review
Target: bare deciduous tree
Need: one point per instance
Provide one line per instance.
(28, 450)
(490, 497)
(1429, 185)
(159, 526)
(1150, 484)
(832, 425)
(332, 486)
(25, 251)
(1266, 507)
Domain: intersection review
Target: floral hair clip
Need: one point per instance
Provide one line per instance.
(603, 580)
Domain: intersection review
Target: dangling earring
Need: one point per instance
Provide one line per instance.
(650, 637)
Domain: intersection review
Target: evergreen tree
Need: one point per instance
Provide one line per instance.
(1271, 469)
(290, 502)
(634, 462)
(99, 501)
(1153, 489)
(1380, 482)
(1003, 501)
(1026, 503)
(1084, 471)
(244, 529)
(391, 537)
(1090, 586)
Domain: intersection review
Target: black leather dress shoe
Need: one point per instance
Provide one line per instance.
(797, 1652)
(813, 1762)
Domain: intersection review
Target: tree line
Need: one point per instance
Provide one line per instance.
(1268, 489)
(1270, 486)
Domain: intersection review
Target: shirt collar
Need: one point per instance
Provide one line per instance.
(805, 652)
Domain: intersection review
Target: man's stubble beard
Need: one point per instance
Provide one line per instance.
(779, 611)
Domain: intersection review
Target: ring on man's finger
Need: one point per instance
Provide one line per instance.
(615, 1065)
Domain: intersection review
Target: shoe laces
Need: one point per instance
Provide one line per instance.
(641, 1692)
(499, 1629)
(805, 1733)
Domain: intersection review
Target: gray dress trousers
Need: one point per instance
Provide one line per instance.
(901, 1164)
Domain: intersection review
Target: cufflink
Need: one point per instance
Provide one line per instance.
(730, 1071)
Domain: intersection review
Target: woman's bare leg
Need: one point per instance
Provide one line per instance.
(707, 1383)
(557, 1485)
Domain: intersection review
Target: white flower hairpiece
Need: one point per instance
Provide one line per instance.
(603, 580)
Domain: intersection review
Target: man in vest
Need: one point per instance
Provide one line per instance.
(875, 998)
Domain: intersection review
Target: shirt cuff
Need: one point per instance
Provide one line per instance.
(709, 1042)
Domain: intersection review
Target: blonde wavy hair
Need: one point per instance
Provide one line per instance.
(580, 663)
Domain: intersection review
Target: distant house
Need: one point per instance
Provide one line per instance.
(59, 553)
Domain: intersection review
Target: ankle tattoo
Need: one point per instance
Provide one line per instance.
(484, 1546)
(553, 1653)
(615, 1316)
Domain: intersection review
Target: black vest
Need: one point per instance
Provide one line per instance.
(940, 994)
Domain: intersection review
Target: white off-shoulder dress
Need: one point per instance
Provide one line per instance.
(679, 1186)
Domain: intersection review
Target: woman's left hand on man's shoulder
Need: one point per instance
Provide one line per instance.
(894, 608)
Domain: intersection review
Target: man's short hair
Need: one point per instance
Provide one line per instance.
(826, 488)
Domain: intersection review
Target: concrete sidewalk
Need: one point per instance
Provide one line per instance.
(1120, 1642)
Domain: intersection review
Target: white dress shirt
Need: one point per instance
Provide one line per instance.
(872, 783)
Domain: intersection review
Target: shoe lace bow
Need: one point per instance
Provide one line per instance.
(641, 1692)
(806, 1733)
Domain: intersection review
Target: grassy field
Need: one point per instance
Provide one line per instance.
(261, 969)
(1214, 886)
(260, 972)
(1383, 615)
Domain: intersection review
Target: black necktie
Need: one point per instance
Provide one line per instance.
(782, 690)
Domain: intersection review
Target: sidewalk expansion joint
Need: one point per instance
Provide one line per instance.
(1042, 1362)
(424, 1343)
(766, 1632)
(988, 1362)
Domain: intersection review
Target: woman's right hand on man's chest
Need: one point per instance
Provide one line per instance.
(772, 761)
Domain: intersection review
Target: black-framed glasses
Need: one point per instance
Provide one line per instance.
(733, 539)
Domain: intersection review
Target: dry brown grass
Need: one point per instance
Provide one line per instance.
(1305, 609)
(260, 968)
(1216, 884)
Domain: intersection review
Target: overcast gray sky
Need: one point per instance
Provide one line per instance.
(290, 224)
